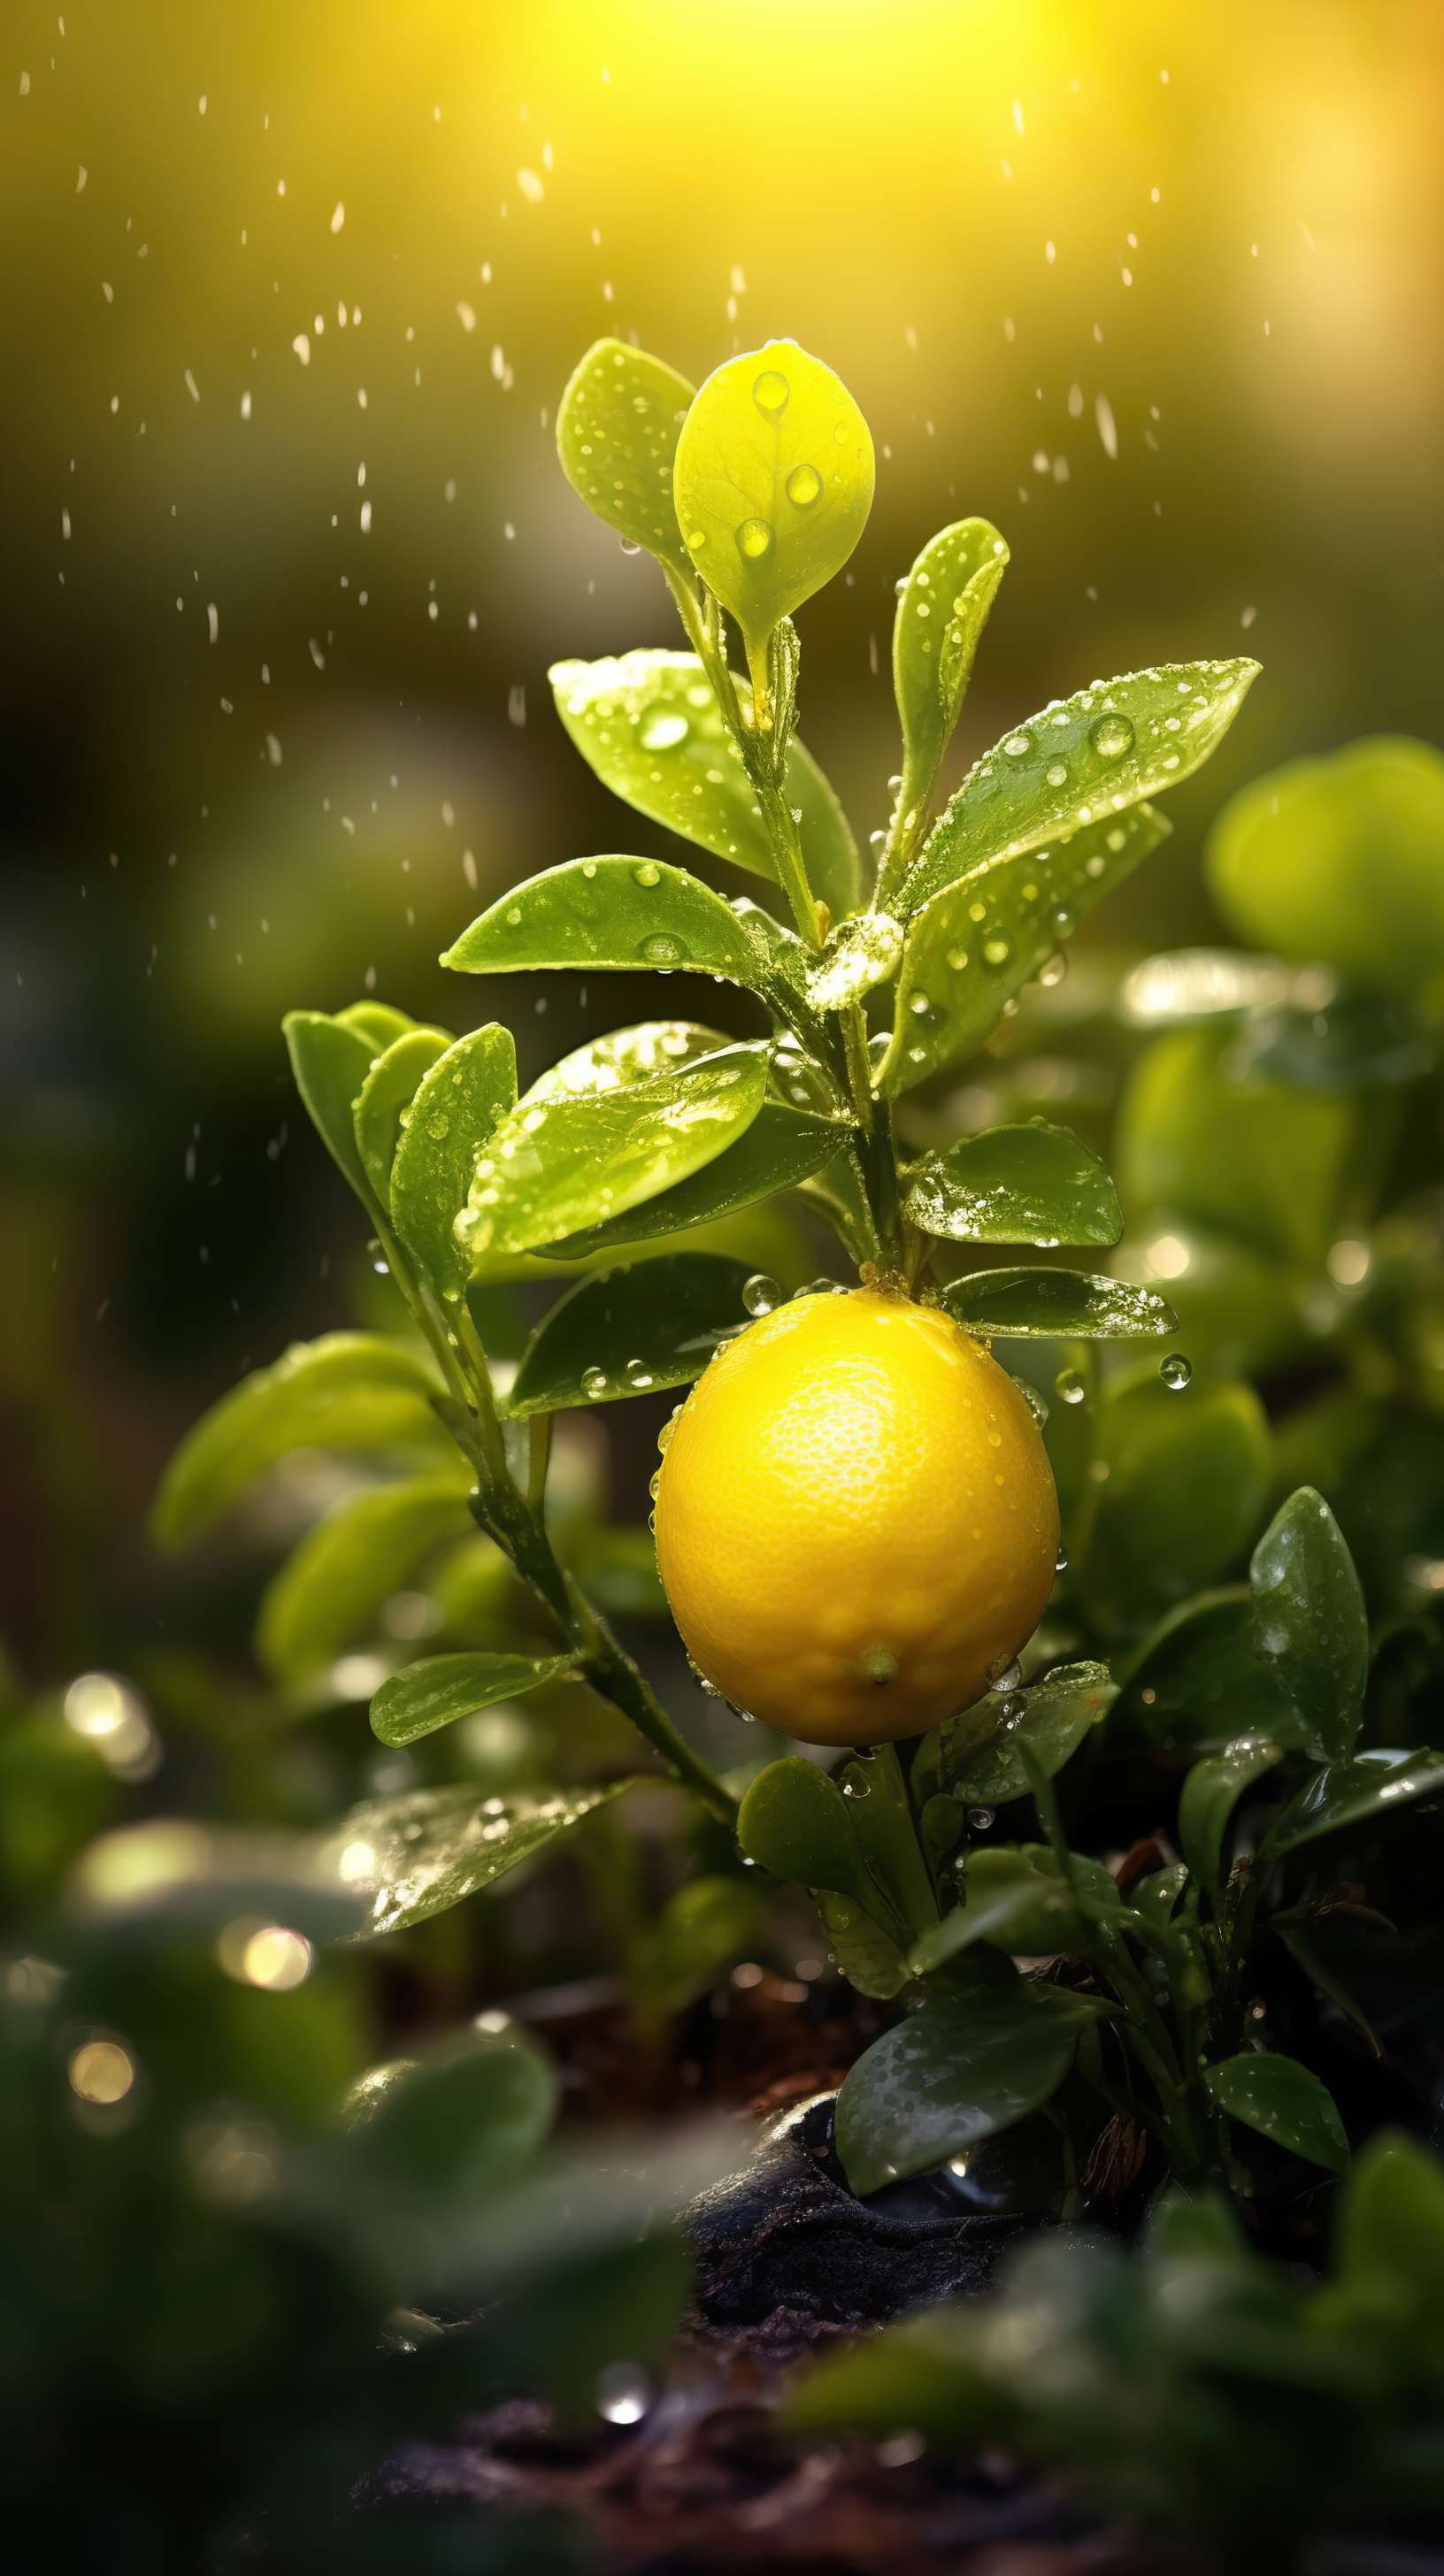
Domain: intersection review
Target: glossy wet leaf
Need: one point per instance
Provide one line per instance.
(635, 1330)
(940, 616)
(773, 483)
(562, 1160)
(1019, 1911)
(780, 1149)
(1188, 1476)
(1033, 1184)
(452, 1118)
(331, 1062)
(1208, 1798)
(1338, 857)
(1197, 1681)
(869, 1957)
(1051, 1305)
(442, 1688)
(331, 1586)
(953, 2072)
(1079, 761)
(1283, 2101)
(389, 1088)
(459, 2121)
(611, 912)
(1200, 1136)
(1313, 1629)
(794, 1821)
(379, 1022)
(1350, 1793)
(345, 1391)
(617, 426)
(973, 944)
(875, 1792)
(980, 1753)
(420, 1853)
(650, 727)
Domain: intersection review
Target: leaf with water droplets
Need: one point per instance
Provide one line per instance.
(388, 1090)
(773, 484)
(453, 1115)
(1313, 1628)
(1014, 1185)
(1080, 760)
(1061, 1305)
(940, 616)
(442, 1688)
(345, 1391)
(650, 727)
(794, 1821)
(632, 1331)
(617, 426)
(780, 1150)
(610, 913)
(331, 1586)
(1207, 1799)
(1349, 1793)
(856, 955)
(956, 2071)
(421, 1853)
(565, 1159)
(1196, 1681)
(980, 1753)
(1283, 2101)
(975, 945)
(331, 1062)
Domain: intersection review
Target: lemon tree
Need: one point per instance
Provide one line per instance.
(866, 1490)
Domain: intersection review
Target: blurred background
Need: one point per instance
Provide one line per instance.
(290, 300)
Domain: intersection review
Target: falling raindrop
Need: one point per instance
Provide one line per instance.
(624, 2393)
(1069, 1385)
(760, 1294)
(980, 1818)
(1175, 1371)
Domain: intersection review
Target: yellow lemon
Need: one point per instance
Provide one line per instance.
(856, 1520)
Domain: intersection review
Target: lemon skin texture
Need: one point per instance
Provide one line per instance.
(856, 1521)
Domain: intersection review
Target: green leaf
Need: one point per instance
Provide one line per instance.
(1338, 857)
(1348, 1793)
(1283, 2101)
(443, 1688)
(650, 727)
(973, 944)
(981, 1751)
(388, 1090)
(345, 1391)
(452, 1119)
(560, 1162)
(1196, 1681)
(609, 913)
(1049, 1305)
(940, 616)
(1200, 1137)
(1079, 761)
(1187, 1478)
(952, 2073)
(780, 1149)
(773, 483)
(421, 1853)
(617, 426)
(1313, 1629)
(706, 1924)
(331, 1062)
(634, 1329)
(379, 1022)
(1207, 1798)
(1020, 1911)
(458, 2122)
(1390, 2238)
(626, 1055)
(1033, 1184)
(869, 1958)
(334, 1582)
(794, 1821)
(882, 1821)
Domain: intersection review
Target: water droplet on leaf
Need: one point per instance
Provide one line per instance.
(1016, 745)
(1111, 736)
(594, 1383)
(662, 728)
(647, 874)
(756, 538)
(771, 392)
(803, 485)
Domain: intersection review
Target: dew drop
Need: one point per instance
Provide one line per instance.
(756, 538)
(1060, 1561)
(1056, 772)
(760, 1294)
(1111, 736)
(957, 959)
(770, 393)
(996, 952)
(513, 915)
(662, 728)
(803, 486)
(662, 950)
(594, 1383)
(696, 537)
(980, 1818)
(638, 1375)
(655, 1482)
(630, 546)
(1064, 922)
(1175, 1371)
(1037, 1404)
(1016, 745)
(1053, 970)
(857, 1788)
(1005, 1674)
(647, 874)
(1069, 1386)
(439, 1126)
(821, 1288)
